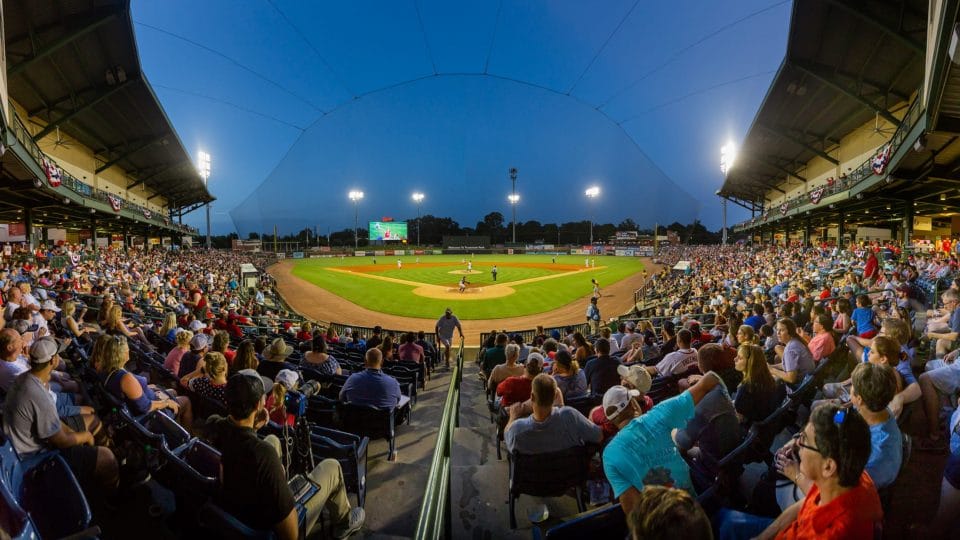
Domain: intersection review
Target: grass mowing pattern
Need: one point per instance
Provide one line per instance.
(529, 298)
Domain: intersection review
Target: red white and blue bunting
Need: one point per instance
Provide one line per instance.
(881, 160)
(115, 202)
(783, 209)
(147, 214)
(816, 195)
(52, 172)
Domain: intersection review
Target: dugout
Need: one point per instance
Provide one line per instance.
(249, 276)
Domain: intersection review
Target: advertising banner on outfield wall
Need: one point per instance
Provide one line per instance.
(438, 252)
(644, 251)
(324, 248)
(379, 253)
(297, 254)
(359, 253)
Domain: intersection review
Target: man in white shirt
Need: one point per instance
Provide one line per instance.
(678, 361)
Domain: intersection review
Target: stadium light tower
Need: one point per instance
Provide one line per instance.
(204, 169)
(355, 196)
(514, 199)
(592, 192)
(728, 154)
(418, 198)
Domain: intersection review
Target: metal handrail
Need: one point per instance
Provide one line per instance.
(862, 173)
(435, 519)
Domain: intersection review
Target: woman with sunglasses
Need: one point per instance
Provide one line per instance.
(842, 502)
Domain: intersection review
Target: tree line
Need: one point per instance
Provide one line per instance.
(434, 228)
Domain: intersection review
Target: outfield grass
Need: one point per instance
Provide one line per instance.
(529, 298)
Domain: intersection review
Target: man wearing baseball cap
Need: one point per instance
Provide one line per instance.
(643, 452)
(254, 485)
(30, 421)
(444, 329)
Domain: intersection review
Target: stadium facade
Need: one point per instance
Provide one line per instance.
(857, 137)
(89, 153)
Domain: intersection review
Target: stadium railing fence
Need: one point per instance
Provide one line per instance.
(435, 519)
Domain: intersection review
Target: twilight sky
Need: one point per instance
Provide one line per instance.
(300, 102)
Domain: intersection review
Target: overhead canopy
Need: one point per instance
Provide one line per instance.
(846, 63)
(75, 66)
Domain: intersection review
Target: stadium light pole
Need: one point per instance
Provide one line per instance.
(592, 193)
(204, 170)
(514, 199)
(355, 196)
(418, 198)
(728, 153)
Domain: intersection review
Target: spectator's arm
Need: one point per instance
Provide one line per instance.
(786, 517)
(704, 386)
(289, 528)
(67, 438)
(908, 395)
(628, 499)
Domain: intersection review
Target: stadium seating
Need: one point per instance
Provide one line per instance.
(549, 474)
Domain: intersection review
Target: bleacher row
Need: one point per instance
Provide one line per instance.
(154, 446)
(715, 478)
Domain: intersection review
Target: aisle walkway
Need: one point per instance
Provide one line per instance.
(479, 480)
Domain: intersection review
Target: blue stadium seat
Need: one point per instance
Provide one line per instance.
(549, 474)
(605, 522)
(371, 422)
(350, 451)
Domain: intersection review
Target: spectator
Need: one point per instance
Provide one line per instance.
(372, 386)
(759, 394)
(305, 333)
(863, 317)
(517, 389)
(570, 379)
(755, 320)
(601, 372)
(493, 357)
(502, 372)
(842, 501)
(221, 339)
(286, 381)
(678, 361)
(428, 349)
(643, 453)
(318, 359)
(409, 351)
(376, 339)
(668, 335)
(795, 358)
(607, 335)
(822, 343)
(75, 325)
(110, 355)
(629, 336)
(444, 330)
(169, 327)
(386, 348)
(635, 379)
(547, 428)
(199, 345)
(666, 512)
(253, 482)
(210, 378)
(275, 359)
(714, 428)
(31, 422)
(583, 349)
(947, 336)
(246, 358)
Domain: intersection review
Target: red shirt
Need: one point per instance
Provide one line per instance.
(849, 516)
(870, 269)
(514, 390)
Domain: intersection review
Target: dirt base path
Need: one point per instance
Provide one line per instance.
(318, 303)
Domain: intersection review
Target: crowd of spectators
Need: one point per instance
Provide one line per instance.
(840, 338)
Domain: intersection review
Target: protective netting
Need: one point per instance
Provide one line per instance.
(454, 139)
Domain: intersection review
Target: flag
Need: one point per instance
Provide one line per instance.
(816, 195)
(115, 202)
(881, 159)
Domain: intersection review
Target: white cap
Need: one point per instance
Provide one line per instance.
(616, 399)
(196, 325)
(49, 305)
(288, 378)
(637, 376)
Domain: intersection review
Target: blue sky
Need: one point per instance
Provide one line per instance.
(300, 102)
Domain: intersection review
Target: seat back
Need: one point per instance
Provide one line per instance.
(220, 524)
(368, 421)
(548, 474)
(13, 518)
(584, 404)
(322, 411)
(174, 435)
(52, 496)
(606, 522)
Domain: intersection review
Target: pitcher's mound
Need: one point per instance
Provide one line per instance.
(470, 293)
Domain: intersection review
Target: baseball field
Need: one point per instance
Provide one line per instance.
(421, 287)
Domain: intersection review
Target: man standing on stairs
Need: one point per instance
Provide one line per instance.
(444, 329)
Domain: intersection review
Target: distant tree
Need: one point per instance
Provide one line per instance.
(253, 236)
(627, 225)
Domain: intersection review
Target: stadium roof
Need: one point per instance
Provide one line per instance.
(75, 66)
(844, 65)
